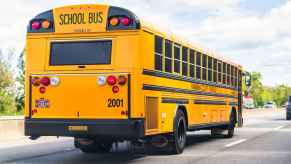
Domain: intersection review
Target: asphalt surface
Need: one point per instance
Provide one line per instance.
(265, 139)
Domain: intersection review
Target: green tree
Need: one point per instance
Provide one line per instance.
(257, 88)
(6, 86)
(20, 79)
(280, 94)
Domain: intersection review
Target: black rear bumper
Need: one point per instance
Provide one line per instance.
(119, 129)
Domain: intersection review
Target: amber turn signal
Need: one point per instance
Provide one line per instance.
(45, 24)
(114, 21)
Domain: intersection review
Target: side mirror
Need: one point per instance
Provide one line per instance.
(248, 79)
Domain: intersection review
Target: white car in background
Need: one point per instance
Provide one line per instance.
(270, 105)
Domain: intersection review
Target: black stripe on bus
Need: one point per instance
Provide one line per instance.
(185, 91)
(174, 100)
(183, 78)
(206, 126)
(30, 97)
(209, 102)
(129, 96)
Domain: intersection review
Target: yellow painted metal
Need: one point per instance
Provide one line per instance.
(78, 95)
(151, 110)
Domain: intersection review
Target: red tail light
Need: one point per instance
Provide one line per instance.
(125, 21)
(115, 89)
(35, 25)
(122, 80)
(35, 81)
(34, 111)
(111, 80)
(45, 81)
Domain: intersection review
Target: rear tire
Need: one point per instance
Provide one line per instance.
(178, 141)
(231, 126)
(226, 132)
(93, 146)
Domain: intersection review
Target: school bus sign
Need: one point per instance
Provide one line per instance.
(88, 18)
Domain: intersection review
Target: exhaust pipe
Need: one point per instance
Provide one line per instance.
(159, 141)
(34, 137)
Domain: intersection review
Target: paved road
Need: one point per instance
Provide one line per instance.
(265, 139)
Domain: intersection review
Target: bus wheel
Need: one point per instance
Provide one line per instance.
(92, 146)
(178, 141)
(231, 126)
(226, 132)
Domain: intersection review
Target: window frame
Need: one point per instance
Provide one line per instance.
(169, 57)
(159, 54)
(177, 60)
(185, 61)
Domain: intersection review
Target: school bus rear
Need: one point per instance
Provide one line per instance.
(79, 72)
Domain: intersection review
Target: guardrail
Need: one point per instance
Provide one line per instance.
(5, 118)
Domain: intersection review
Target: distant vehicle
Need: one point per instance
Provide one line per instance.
(285, 105)
(248, 103)
(288, 109)
(270, 105)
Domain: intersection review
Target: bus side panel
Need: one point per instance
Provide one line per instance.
(35, 58)
(35, 62)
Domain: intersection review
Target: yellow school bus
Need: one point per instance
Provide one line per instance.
(100, 75)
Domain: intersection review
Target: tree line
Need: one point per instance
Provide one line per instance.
(11, 84)
(263, 94)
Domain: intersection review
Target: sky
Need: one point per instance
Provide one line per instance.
(253, 33)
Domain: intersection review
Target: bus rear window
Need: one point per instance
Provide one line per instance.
(80, 53)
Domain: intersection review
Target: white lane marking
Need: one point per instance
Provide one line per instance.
(279, 127)
(235, 142)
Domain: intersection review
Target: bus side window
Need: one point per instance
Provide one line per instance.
(158, 53)
(198, 65)
(219, 72)
(168, 56)
(232, 76)
(177, 58)
(228, 74)
(224, 73)
(185, 51)
(192, 63)
(210, 69)
(235, 77)
(204, 67)
(215, 70)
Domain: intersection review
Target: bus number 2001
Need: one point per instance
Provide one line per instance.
(114, 103)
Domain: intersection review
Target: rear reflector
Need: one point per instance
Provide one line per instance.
(34, 111)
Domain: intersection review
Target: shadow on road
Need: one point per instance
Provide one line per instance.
(126, 155)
